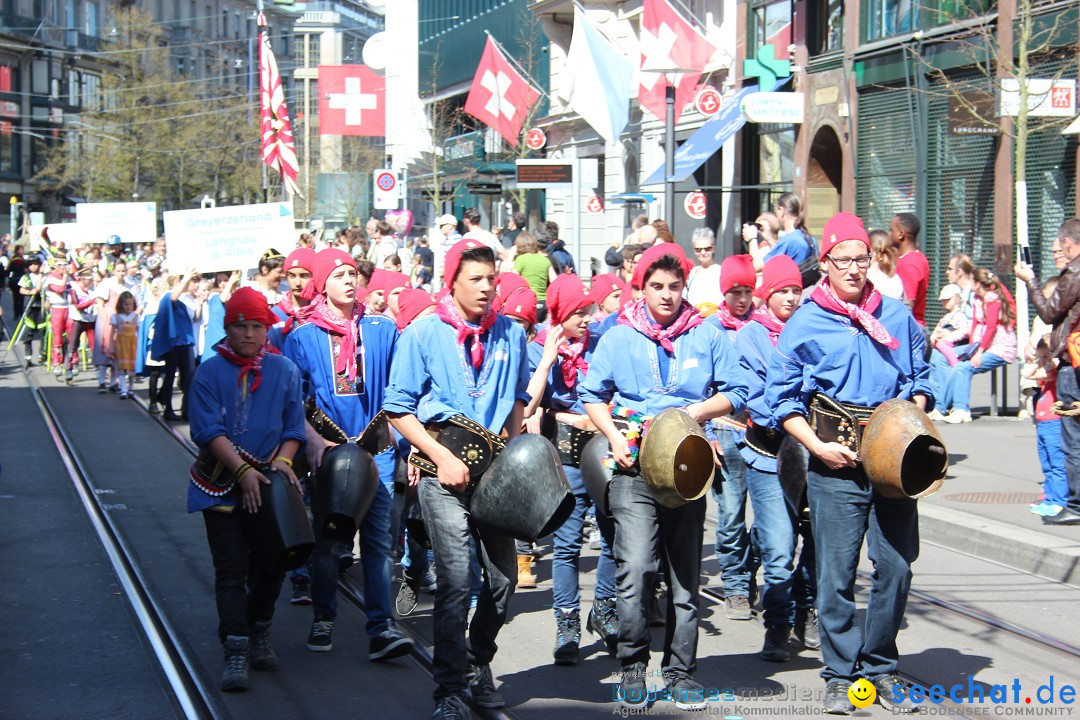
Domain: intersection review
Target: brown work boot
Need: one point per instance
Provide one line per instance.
(526, 579)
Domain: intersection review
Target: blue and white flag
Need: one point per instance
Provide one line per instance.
(600, 80)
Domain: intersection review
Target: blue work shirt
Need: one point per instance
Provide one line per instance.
(606, 324)
(796, 244)
(626, 370)
(823, 351)
(755, 349)
(172, 327)
(215, 326)
(434, 380)
(557, 396)
(259, 422)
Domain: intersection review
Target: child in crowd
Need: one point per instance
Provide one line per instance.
(954, 326)
(1048, 432)
(125, 340)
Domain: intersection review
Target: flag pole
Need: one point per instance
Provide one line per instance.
(517, 66)
(262, 163)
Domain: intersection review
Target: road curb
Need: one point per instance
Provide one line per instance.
(1029, 551)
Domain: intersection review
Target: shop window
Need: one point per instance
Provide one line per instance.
(770, 24)
(826, 27)
(888, 17)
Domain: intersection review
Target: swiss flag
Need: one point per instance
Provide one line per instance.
(352, 101)
(668, 41)
(500, 97)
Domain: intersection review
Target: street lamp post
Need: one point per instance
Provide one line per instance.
(669, 154)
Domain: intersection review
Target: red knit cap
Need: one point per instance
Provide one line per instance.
(386, 280)
(565, 296)
(604, 285)
(650, 256)
(520, 303)
(779, 272)
(411, 302)
(737, 270)
(453, 259)
(326, 262)
(302, 258)
(248, 305)
(841, 227)
(506, 283)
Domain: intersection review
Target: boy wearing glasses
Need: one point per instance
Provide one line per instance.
(858, 348)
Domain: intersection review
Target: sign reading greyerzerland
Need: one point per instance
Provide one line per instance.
(132, 222)
(227, 238)
(1046, 97)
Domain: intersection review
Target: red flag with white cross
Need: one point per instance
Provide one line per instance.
(669, 41)
(500, 96)
(352, 101)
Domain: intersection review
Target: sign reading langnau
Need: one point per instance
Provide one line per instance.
(132, 222)
(227, 238)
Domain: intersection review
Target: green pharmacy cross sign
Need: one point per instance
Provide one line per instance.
(766, 68)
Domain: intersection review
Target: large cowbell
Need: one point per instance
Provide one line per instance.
(345, 486)
(524, 494)
(280, 529)
(594, 475)
(676, 459)
(902, 452)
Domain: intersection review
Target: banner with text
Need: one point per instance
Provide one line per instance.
(132, 222)
(227, 238)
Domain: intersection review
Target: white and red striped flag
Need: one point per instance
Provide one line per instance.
(278, 148)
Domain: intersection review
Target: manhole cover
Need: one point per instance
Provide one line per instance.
(994, 498)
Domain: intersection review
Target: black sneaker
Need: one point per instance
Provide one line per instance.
(260, 651)
(776, 644)
(114, 388)
(235, 676)
(567, 636)
(389, 644)
(452, 707)
(482, 687)
(102, 389)
(633, 693)
(604, 622)
(884, 685)
(737, 607)
(806, 629)
(301, 591)
(837, 701)
(320, 639)
(684, 692)
(406, 600)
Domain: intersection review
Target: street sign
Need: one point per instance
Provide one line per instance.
(544, 174)
(774, 107)
(1046, 97)
(385, 189)
(484, 188)
(227, 238)
(595, 205)
(694, 205)
(535, 139)
(708, 101)
(134, 222)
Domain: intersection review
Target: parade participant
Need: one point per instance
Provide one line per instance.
(413, 304)
(271, 271)
(607, 290)
(464, 360)
(81, 315)
(733, 547)
(344, 359)
(859, 349)
(390, 287)
(245, 403)
(562, 372)
(125, 340)
(212, 325)
(774, 527)
(704, 283)
(297, 269)
(683, 364)
(106, 292)
(57, 293)
(145, 362)
(31, 291)
(174, 341)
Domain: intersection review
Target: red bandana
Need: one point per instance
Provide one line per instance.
(767, 317)
(246, 364)
(859, 312)
(572, 355)
(729, 320)
(636, 316)
(319, 313)
(448, 313)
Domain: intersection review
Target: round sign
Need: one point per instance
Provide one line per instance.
(376, 52)
(708, 101)
(386, 181)
(535, 139)
(694, 204)
(594, 205)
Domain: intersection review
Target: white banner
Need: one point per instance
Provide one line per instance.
(227, 238)
(133, 222)
(1046, 97)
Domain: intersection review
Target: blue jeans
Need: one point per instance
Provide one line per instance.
(446, 515)
(376, 558)
(956, 394)
(566, 592)
(732, 539)
(647, 534)
(775, 531)
(1068, 392)
(844, 509)
(1052, 459)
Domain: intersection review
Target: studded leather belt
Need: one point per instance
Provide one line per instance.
(762, 440)
(833, 421)
(469, 441)
(570, 441)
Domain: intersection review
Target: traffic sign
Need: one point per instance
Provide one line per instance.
(535, 139)
(694, 204)
(385, 189)
(595, 205)
(708, 101)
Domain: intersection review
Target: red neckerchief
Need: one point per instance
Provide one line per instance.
(287, 306)
(246, 364)
(572, 355)
(319, 313)
(730, 321)
(767, 317)
(636, 316)
(859, 312)
(448, 313)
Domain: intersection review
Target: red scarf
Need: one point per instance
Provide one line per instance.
(448, 313)
(636, 316)
(572, 355)
(287, 306)
(319, 313)
(767, 317)
(859, 312)
(246, 364)
(728, 320)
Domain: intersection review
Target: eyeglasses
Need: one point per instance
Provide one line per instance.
(708, 248)
(844, 263)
